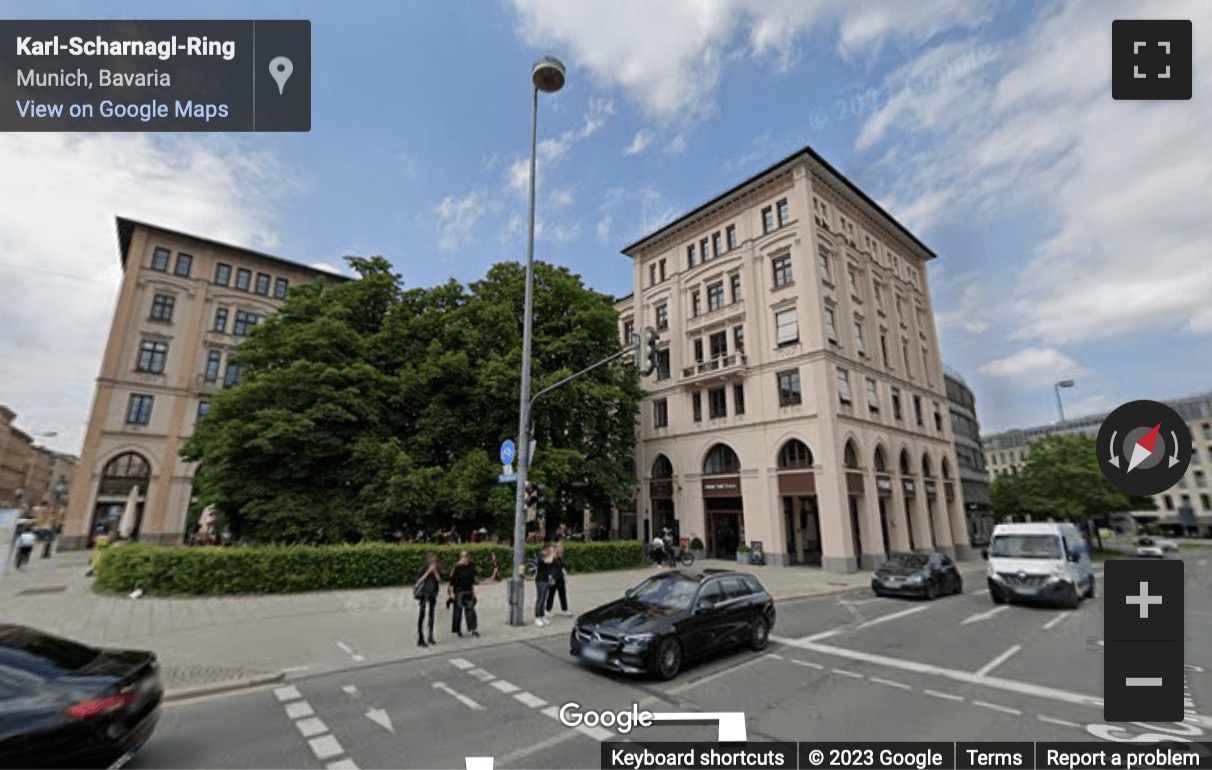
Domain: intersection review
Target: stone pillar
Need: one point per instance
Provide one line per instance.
(898, 523)
(874, 545)
(837, 543)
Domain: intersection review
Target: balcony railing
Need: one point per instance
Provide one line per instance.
(724, 366)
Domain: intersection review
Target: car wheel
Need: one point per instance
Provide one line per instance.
(668, 658)
(997, 596)
(877, 592)
(759, 635)
(1073, 599)
(959, 585)
(1090, 590)
(931, 591)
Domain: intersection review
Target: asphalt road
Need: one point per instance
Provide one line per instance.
(846, 667)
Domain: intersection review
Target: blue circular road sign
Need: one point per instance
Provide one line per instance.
(508, 451)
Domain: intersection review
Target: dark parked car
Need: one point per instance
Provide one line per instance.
(672, 618)
(65, 704)
(924, 575)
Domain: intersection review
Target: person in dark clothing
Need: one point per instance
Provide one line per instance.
(429, 581)
(559, 587)
(462, 591)
(543, 578)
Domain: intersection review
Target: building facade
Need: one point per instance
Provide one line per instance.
(1186, 508)
(31, 476)
(970, 457)
(799, 399)
(184, 305)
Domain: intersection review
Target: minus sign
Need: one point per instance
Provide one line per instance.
(1143, 681)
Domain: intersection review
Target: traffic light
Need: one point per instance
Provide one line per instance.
(652, 339)
(637, 350)
(534, 500)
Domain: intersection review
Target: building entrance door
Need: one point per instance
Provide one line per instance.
(725, 528)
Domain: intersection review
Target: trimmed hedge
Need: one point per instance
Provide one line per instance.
(214, 570)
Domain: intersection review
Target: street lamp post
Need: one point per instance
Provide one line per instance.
(1060, 407)
(547, 76)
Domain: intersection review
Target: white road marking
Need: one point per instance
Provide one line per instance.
(868, 624)
(1055, 721)
(860, 601)
(359, 658)
(995, 707)
(1000, 659)
(460, 697)
(981, 592)
(891, 683)
(295, 669)
(983, 615)
(343, 764)
(460, 663)
(326, 747)
(299, 709)
(345, 648)
(844, 672)
(380, 717)
(529, 699)
(712, 677)
(351, 690)
(506, 687)
(774, 655)
(1051, 624)
(1202, 562)
(310, 727)
(817, 666)
(288, 693)
(482, 675)
(946, 695)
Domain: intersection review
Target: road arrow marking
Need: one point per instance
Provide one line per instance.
(478, 763)
(379, 717)
(983, 616)
(468, 702)
(732, 723)
(350, 690)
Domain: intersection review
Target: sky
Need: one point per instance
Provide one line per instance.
(1074, 232)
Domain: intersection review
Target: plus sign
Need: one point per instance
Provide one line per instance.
(1144, 600)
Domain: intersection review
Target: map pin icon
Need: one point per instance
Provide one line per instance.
(280, 68)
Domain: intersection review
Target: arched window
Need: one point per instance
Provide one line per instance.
(881, 462)
(946, 469)
(927, 469)
(662, 468)
(795, 454)
(721, 459)
(850, 455)
(905, 463)
(123, 473)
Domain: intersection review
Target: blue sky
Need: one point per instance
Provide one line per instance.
(1073, 230)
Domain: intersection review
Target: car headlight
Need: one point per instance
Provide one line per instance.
(634, 642)
(916, 578)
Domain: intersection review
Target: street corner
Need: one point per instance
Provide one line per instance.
(187, 682)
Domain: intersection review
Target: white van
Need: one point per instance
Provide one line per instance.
(1039, 562)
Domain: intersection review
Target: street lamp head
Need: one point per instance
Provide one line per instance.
(1065, 384)
(548, 74)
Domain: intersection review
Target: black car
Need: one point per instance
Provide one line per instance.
(924, 575)
(672, 618)
(65, 704)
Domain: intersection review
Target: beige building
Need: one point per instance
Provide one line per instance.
(31, 475)
(184, 305)
(799, 399)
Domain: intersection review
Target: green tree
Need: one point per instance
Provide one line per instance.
(1062, 480)
(366, 408)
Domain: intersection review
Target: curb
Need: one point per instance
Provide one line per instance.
(198, 691)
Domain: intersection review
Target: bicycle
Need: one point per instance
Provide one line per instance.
(661, 556)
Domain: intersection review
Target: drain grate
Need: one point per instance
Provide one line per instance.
(42, 590)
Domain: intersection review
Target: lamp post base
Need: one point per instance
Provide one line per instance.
(517, 601)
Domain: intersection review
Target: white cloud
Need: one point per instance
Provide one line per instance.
(562, 198)
(655, 213)
(639, 143)
(1034, 367)
(972, 313)
(59, 262)
(603, 227)
(549, 151)
(330, 267)
(457, 219)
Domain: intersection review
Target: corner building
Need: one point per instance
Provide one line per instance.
(184, 306)
(799, 398)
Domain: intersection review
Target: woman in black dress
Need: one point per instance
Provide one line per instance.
(427, 596)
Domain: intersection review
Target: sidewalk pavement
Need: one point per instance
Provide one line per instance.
(212, 644)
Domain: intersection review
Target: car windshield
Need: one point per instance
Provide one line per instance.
(907, 561)
(1026, 547)
(672, 593)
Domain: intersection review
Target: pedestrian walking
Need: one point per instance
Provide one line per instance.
(543, 579)
(426, 593)
(25, 546)
(496, 568)
(560, 585)
(463, 593)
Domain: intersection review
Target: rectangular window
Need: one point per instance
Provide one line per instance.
(184, 264)
(704, 255)
(139, 409)
(730, 233)
(696, 404)
(859, 344)
(222, 274)
(213, 361)
(782, 270)
(938, 419)
(203, 409)
(661, 270)
(662, 371)
(787, 328)
(243, 279)
(162, 308)
(696, 303)
(662, 317)
(1207, 428)
(767, 219)
(160, 259)
(789, 388)
(884, 350)
(1201, 480)
(690, 261)
(917, 411)
(660, 413)
(738, 398)
(1206, 502)
(896, 402)
(822, 264)
(738, 339)
(905, 354)
(221, 320)
(717, 247)
(900, 309)
(735, 280)
(652, 275)
(232, 376)
(280, 287)
(628, 332)
(784, 212)
(873, 397)
(715, 296)
(843, 386)
(852, 282)
(878, 292)
(152, 356)
(244, 322)
(926, 364)
(717, 403)
(698, 350)
(719, 345)
(830, 327)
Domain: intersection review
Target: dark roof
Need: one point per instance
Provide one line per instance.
(126, 229)
(624, 298)
(811, 153)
